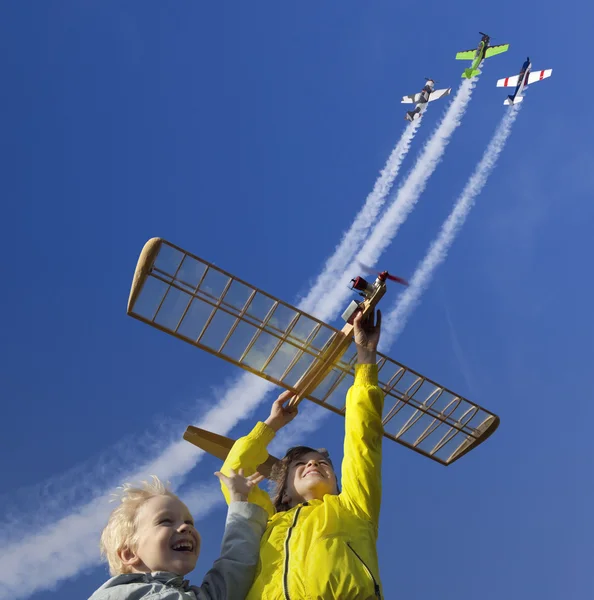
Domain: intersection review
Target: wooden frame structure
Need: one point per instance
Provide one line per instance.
(199, 303)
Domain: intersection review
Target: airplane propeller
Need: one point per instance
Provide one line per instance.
(382, 275)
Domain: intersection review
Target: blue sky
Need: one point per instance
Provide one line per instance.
(250, 134)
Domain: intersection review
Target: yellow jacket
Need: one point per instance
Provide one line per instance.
(324, 549)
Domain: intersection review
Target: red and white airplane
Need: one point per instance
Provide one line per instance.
(520, 81)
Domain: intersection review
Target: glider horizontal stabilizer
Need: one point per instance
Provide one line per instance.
(219, 446)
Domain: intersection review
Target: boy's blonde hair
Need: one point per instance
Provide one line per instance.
(120, 530)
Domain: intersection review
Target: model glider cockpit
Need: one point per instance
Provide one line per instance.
(477, 56)
(426, 95)
(522, 81)
(202, 305)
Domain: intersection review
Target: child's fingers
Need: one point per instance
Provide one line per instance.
(256, 478)
(223, 478)
(284, 397)
(287, 409)
(240, 472)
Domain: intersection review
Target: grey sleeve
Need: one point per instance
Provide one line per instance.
(232, 574)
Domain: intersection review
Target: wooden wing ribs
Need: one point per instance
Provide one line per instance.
(197, 302)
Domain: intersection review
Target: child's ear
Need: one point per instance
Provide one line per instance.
(129, 557)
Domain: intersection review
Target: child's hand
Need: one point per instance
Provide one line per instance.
(239, 486)
(367, 336)
(280, 414)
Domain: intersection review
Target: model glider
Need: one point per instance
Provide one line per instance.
(525, 77)
(426, 95)
(483, 50)
(202, 305)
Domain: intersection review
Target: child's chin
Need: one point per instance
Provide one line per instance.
(319, 488)
(184, 567)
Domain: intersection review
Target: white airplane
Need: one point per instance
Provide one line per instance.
(426, 95)
(523, 79)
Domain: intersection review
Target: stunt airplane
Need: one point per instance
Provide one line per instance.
(477, 56)
(426, 95)
(523, 79)
(208, 308)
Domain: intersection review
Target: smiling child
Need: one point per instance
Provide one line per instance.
(151, 543)
(320, 542)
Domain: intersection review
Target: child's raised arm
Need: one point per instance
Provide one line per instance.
(361, 467)
(250, 451)
(233, 572)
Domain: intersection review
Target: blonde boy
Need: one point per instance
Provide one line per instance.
(150, 543)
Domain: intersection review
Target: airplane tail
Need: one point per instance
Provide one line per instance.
(511, 100)
(470, 73)
(411, 115)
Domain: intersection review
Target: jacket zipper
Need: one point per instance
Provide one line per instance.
(376, 586)
(286, 569)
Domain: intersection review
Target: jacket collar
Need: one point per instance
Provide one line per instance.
(167, 578)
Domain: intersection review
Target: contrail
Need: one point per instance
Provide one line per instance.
(396, 320)
(43, 559)
(40, 558)
(64, 547)
(408, 194)
(355, 235)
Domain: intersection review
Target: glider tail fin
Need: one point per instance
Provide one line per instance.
(470, 73)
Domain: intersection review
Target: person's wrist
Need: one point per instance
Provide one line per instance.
(237, 497)
(273, 423)
(366, 356)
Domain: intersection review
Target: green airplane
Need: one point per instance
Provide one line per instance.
(477, 56)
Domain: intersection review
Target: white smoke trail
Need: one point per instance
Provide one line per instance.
(355, 235)
(69, 544)
(408, 194)
(396, 320)
(41, 560)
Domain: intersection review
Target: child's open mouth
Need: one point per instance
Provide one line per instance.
(184, 546)
(313, 472)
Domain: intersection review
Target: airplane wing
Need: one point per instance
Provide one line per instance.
(208, 308)
(508, 81)
(493, 50)
(412, 99)
(466, 55)
(538, 75)
(437, 94)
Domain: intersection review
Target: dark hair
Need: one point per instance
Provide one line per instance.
(280, 473)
